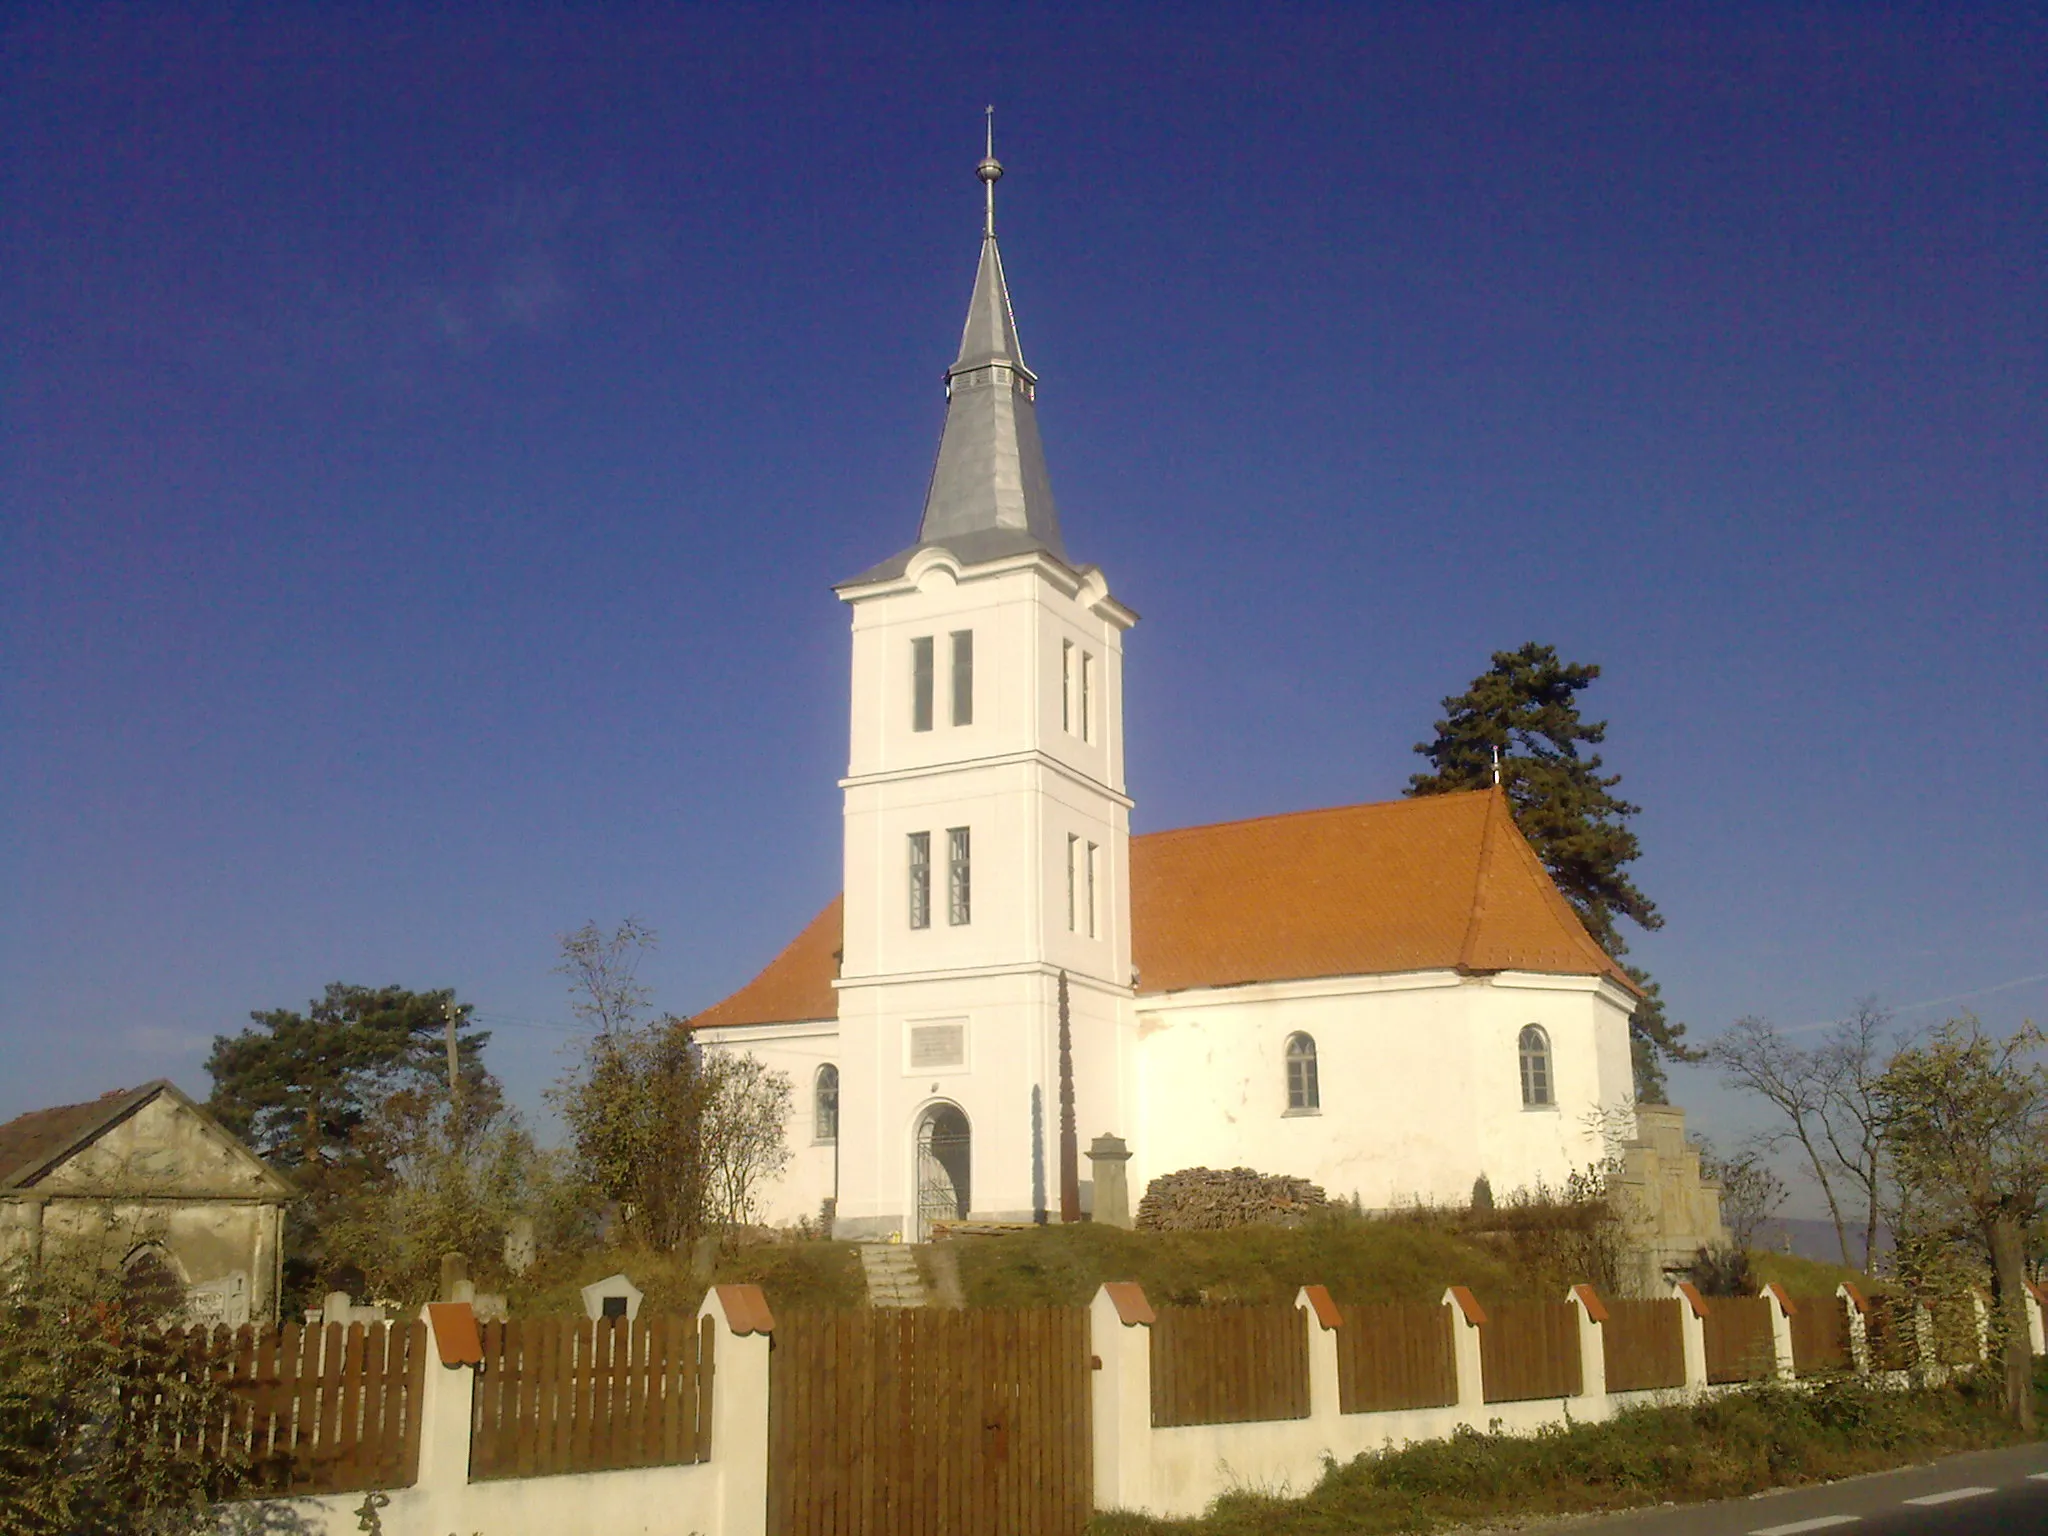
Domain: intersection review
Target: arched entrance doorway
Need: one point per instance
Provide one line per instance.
(944, 1164)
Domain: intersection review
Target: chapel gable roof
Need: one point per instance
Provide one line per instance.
(1440, 882)
(33, 1144)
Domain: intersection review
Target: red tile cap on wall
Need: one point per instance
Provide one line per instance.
(1856, 1298)
(746, 1309)
(1693, 1298)
(1589, 1298)
(1784, 1297)
(1128, 1297)
(456, 1339)
(1469, 1305)
(1325, 1308)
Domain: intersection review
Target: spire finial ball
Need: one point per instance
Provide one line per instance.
(990, 169)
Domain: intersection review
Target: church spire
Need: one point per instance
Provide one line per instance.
(989, 494)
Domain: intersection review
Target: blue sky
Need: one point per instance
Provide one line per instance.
(431, 437)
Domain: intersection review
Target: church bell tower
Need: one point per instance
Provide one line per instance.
(986, 822)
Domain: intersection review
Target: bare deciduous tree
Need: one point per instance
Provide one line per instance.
(603, 971)
(746, 1107)
(1825, 1098)
(1750, 1191)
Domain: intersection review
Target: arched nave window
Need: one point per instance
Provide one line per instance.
(1537, 1091)
(828, 1103)
(1302, 1092)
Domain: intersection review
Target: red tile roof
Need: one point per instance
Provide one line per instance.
(29, 1142)
(796, 985)
(1440, 882)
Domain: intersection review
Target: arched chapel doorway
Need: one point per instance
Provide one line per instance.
(944, 1164)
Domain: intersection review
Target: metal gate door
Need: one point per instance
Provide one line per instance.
(944, 1161)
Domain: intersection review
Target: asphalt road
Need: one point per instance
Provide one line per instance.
(1984, 1493)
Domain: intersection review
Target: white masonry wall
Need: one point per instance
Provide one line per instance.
(1419, 1076)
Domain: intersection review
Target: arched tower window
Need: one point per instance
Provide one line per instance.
(1302, 1092)
(827, 1110)
(1538, 1092)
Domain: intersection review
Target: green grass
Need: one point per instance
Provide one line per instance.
(1724, 1448)
(1805, 1277)
(793, 1274)
(1360, 1259)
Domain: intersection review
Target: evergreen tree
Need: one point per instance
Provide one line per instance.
(301, 1087)
(1525, 708)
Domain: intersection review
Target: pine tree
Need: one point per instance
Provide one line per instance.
(301, 1087)
(1525, 708)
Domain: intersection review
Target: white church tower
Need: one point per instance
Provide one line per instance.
(987, 826)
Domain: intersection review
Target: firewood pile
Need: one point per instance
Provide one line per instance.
(1208, 1200)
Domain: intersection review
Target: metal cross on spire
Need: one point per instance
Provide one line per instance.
(990, 171)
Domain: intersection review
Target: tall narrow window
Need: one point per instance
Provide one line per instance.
(1073, 881)
(1302, 1091)
(1537, 1090)
(920, 879)
(827, 1114)
(921, 683)
(1087, 697)
(963, 677)
(1094, 858)
(1066, 685)
(959, 880)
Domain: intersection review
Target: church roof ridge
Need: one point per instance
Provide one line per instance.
(1308, 811)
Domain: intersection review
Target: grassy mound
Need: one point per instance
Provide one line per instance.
(1358, 1259)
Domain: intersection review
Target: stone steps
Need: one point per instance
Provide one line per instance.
(892, 1276)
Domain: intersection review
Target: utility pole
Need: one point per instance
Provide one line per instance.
(454, 1063)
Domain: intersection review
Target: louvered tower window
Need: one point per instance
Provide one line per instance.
(959, 882)
(921, 683)
(920, 879)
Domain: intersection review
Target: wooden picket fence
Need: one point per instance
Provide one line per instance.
(1396, 1357)
(564, 1394)
(1229, 1364)
(1820, 1336)
(1738, 1336)
(928, 1422)
(1643, 1343)
(316, 1409)
(1530, 1349)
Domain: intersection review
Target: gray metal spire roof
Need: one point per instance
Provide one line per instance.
(989, 495)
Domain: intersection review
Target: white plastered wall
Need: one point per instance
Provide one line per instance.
(797, 1051)
(1419, 1079)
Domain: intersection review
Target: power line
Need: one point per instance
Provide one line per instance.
(1930, 1002)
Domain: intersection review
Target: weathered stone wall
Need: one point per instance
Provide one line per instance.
(1669, 1208)
(164, 1176)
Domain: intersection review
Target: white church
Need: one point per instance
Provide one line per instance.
(1388, 999)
